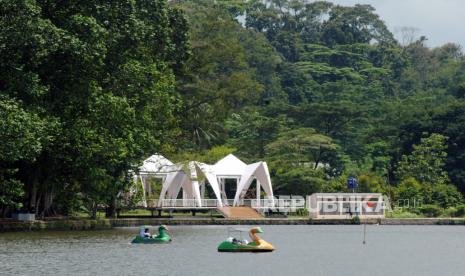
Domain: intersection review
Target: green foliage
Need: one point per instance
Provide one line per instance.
(19, 132)
(370, 183)
(11, 192)
(302, 146)
(431, 210)
(460, 211)
(402, 213)
(302, 212)
(446, 195)
(426, 162)
(216, 153)
(23, 134)
(319, 90)
(297, 180)
(355, 220)
(220, 77)
(249, 132)
(409, 189)
(358, 24)
(449, 118)
(92, 88)
(209, 156)
(450, 212)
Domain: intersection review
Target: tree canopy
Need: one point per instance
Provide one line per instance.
(89, 89)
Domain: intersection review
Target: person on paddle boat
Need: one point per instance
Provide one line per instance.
(257, 244)
(164, 236)
(145, 233)
(237, 241)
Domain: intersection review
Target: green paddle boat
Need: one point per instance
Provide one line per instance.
(162, 236)
(238, 245)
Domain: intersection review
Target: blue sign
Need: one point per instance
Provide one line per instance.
(352, 183)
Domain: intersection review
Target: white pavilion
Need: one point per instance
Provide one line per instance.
(190, 179)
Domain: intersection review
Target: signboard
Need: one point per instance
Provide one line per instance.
(352, 183)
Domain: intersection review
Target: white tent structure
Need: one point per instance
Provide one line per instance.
(256, 171)
(192, 177)
(156, 166)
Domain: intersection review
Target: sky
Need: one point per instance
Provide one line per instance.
(441, 21)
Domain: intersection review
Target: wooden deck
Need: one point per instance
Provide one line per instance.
(239, 213)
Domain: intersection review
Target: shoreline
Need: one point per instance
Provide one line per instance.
(102, 224)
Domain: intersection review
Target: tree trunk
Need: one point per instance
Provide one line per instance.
(47, 203)
(92, 207)
(31, 189)
(94, 211)
(111, 209)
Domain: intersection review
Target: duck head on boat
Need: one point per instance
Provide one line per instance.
(164, 236)
(238, 245)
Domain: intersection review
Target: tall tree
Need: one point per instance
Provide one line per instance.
(426, 162)
(103, 74)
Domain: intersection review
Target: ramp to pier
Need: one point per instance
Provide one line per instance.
(239, 213)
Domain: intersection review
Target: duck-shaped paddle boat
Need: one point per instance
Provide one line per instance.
(162, 236)
(256, 245)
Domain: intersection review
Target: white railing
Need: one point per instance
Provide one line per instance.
(186, 203)
(286, 205)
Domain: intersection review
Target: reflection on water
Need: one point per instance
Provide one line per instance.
(300, 250)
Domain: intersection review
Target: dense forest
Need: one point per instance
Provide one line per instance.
(89, 89)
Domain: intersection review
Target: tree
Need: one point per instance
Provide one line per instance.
(446, 195)
(370, 183)
(358, 24)
(100, 76)
(23, 135)
(449, 119)
(219, 79)
(298, 181)
(250, 131)
(303, 146)
(409, 189)
(426, 162)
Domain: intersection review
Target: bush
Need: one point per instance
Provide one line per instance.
(302, 212)
(446, 195)
(409, 189)
(355, 220)
(431, 210)
(460, 211)
(450, 212)
(402, 213)
(370, 183)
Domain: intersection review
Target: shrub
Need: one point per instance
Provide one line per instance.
(431, 210)
(409, 189)
(460, 211)
(370, 183)
(446, 195)
(450, 212)
(302, 212)
(355, 220)
(402, 213)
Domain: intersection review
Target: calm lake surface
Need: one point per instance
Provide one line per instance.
(300, 250)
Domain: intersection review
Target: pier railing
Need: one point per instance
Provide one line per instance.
(285, 205)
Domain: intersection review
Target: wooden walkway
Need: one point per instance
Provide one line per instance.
(239, 213)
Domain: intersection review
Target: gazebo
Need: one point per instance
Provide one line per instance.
(192, 177)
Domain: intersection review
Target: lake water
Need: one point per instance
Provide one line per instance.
(300, 250)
